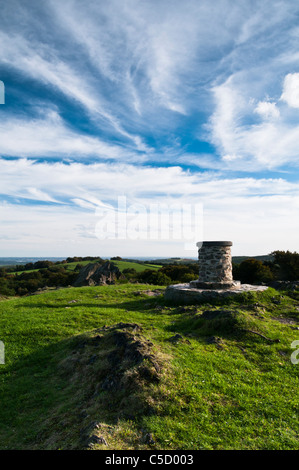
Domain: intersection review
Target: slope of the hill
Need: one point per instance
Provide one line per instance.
(114, 367)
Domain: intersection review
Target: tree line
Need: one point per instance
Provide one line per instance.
(42, 264)
(28, 278)
(284, 266)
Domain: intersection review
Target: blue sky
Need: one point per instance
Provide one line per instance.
(161, 102)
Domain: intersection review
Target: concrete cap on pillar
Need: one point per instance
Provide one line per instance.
(216, 243)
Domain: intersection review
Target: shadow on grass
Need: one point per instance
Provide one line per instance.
(142, 304)
(54, 397)
(218, 323)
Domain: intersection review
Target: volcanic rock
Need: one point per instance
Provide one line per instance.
(96, 274)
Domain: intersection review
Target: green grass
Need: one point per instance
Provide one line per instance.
(137, 266)
(223, 385)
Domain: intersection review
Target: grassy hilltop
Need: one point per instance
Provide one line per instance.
(114, 367)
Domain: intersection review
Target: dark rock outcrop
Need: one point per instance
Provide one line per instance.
(284, 285)
(95, 274)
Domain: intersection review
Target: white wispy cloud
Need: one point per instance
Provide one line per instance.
(267, 110)
(290, 92)
(161, 57)
(49, 135)
(133, 62)
(249, 211)
(99, 178)
(147, 81)
(248, 143)
(42, 63)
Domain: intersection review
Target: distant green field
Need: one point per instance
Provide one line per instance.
(67, 266)
(157, 264)
(262, 258)
(137, 266)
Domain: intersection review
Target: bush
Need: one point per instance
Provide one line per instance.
(6, 287)
(154, 277)
(188, 277)
(130, 274)
(287, 265)
(3, 272)
(252, 271)
(78, 267)
(180, 273)
(43, 264)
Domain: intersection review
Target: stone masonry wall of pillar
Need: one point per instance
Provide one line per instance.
(215, 263)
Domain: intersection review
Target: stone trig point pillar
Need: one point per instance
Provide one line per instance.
(215, 266)
(215, 277)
